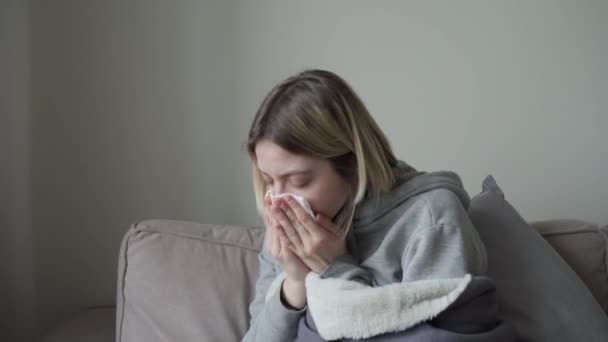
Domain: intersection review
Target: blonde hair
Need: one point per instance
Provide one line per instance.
(316, 113)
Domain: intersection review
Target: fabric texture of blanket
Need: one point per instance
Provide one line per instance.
(445, 310)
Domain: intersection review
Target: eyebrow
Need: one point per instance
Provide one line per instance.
(291, 173)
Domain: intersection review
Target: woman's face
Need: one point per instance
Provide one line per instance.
(311, 178)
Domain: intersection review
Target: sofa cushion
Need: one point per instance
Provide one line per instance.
(537, 291)
(583, 246)
(184, 281)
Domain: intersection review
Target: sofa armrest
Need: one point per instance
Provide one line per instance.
(186, 281)
(583, 246)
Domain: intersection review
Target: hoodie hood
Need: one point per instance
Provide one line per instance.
(410, 182)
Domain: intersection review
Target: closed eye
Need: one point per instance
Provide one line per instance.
(301, 183)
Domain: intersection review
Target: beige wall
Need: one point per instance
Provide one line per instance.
(139, 110)
(516, 89)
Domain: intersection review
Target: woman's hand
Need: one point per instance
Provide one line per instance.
(317, 241)
(276, 243)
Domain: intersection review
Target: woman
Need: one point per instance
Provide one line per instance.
(378, 221)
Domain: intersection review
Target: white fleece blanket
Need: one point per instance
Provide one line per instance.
(347, 309)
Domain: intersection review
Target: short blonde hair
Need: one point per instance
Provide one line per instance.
(317, 114)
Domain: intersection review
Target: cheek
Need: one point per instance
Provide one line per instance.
(326, 199)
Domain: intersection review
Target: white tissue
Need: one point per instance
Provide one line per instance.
(303, 202)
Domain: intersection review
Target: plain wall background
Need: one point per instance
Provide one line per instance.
(16, 239)
(119, 111)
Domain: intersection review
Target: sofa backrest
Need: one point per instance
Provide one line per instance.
(185, 281)
(584, 246)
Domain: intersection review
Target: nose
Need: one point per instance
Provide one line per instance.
(278, 188)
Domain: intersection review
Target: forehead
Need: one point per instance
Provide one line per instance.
(274, 160)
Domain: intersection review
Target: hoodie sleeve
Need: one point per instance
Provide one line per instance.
(439, 251)
(444, 244)
(346, 267)
(270, 320)
(449, 247)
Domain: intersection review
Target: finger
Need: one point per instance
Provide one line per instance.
(266, 212)
(268, 228)
(328, 224)
(290, 231)
(266, 220)
(287, 242)
(304, 218)
(291, 215)
(287, 225)
(268, 232)
(283, 237)
(291, 247)
(274, 243)
(280, 244)
(287, 246)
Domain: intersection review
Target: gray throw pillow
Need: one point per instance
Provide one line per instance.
(537, 291)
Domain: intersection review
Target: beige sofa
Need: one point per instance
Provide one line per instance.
(186, 281)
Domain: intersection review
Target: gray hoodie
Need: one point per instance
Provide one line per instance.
(419, 230)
